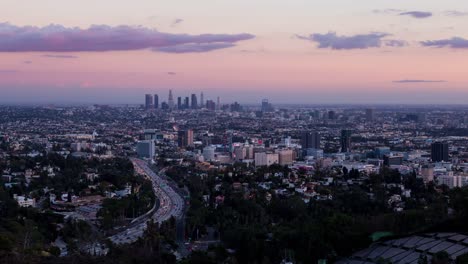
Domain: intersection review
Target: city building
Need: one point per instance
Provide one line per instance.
(266, 106)
(156, 101)
(149, 102)
(179, 103)
(390, 160)
(439, 152)
(24, 202)
(310, 140)
(146, 149)
(285, 157)
(427, 173)
(185, 138)
(170, 100)
(194, 102)
(266, 159)
(345, 140)
(209, 153)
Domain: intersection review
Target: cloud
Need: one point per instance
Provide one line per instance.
(395, 43)
(455, 43)
(387, 11)
(419, 81)
(417, 14)
(57, 38)
(171, 73)
(455, 13)
(176, 22)
(60, 56)
(27, 62)
(360, 41)
(195, 47)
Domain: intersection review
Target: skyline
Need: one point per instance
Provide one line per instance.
(289, 52)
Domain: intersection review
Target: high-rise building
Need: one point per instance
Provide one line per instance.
(218, 104)
(286, 157)
(185, 138)
(194, 101)
(370, 114)
(266, 159)
(186, 103)
(146, 149)
(439, 152)
(345, 140)
(149, 102)
(210, 105)
(179, 102)
(310, 140)
(266, 106)
(170, 100)
(331, 115)
(202, 102)
(156, 101)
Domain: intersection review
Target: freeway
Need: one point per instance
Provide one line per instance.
(171, 204)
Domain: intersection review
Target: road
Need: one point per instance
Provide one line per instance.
(171, 204)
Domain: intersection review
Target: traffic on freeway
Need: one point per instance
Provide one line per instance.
(171, 204)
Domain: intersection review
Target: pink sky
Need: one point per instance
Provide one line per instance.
(265, 49)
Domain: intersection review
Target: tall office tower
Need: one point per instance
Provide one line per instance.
(210, 105)
(346, 140)
(156, 101)
(186, 103)
(310, 140)
(148, 102)
(370, 114)
(179, 102)
(194, 101)
(202, 102)
(218, 104)
(146, 149)
(185, 138)
(439, 152)
(331, 115)
(170, 100)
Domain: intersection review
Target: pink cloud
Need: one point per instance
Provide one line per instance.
(57, 38)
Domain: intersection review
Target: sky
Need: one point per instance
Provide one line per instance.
(288, 51)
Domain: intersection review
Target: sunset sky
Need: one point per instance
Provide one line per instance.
(303, 51)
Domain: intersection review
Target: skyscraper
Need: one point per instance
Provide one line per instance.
(266, 106)
(202, 101)
(346, 140)
(179, 102)
(185, 138)
(218, 104)
(310, 140)
(156, 101)
(186, 103)
(194, 101)
(210, 105)
(149, 102)
(170, 100)
(439, 152)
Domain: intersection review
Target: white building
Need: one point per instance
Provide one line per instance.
(266, 159)
(209, 153)
(24, 202)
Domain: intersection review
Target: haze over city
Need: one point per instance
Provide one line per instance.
(338, 51)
